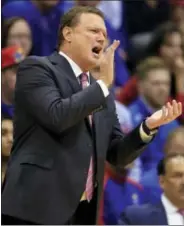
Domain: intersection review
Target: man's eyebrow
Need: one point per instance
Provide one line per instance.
(99, 29)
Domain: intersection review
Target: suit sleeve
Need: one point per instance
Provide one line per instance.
(37, 93)
(124, 149)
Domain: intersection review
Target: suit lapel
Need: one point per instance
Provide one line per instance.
(97, 119)
(63, 65)
(160, 217)
(96, 114)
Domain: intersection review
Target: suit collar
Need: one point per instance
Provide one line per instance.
(72, 69)
(62, 65)
(76, 69)
(159, 214)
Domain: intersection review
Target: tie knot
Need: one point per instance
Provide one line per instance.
(84, 77)
(181, 211)
(84, 80)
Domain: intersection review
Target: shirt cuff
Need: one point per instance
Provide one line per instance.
(103, 87)
(145, 138)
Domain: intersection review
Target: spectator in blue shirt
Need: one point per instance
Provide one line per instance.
(154, 89)
(43, 17)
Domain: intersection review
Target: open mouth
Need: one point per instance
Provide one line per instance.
(96, 50)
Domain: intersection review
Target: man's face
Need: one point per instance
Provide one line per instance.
(20, 35)
(88, 39)
(9, 79)
(178, 15)
(7, 137)
(172, 48)
(172, 182)
(156, 87)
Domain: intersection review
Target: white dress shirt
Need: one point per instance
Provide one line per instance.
(173, 217)
(77, 71)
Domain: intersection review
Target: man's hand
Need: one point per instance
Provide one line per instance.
(106, 67)
(167, 114)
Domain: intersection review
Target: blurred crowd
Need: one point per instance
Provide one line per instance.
(149, 72)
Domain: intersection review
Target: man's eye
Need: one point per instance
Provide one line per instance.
(95, 31)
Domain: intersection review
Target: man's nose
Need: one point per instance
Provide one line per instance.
(101, 37)
(10, 139)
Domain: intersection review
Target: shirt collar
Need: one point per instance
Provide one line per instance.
(168, 206)
(76, 69)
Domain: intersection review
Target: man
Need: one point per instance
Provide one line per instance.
(11, 57)
(170, 209)
(154, 87)
(121, 74)
(174, 144)
(65, 128)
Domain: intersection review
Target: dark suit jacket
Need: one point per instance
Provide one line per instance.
(147, 214)
(53, 141)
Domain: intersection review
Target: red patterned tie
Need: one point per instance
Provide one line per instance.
(181, 211)
(89, 184)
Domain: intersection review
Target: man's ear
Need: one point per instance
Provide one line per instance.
(67, 34)
(161, 181)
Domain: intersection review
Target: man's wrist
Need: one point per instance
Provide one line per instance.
(149, 131)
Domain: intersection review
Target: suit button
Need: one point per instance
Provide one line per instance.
(90, 145)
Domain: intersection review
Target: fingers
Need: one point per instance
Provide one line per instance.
(171, 112)
(113, 46)
(175, 107)
(164, 113)
(180, 108)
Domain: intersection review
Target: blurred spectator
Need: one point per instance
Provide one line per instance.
(43, 17)
(166, 43)
(170, 208)
(174, 144)
(154, 88)
(16, 31)
(142, 17)
(11, 57)
(177, 14)
(145, 15)
(7, 139)
(120, 191)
